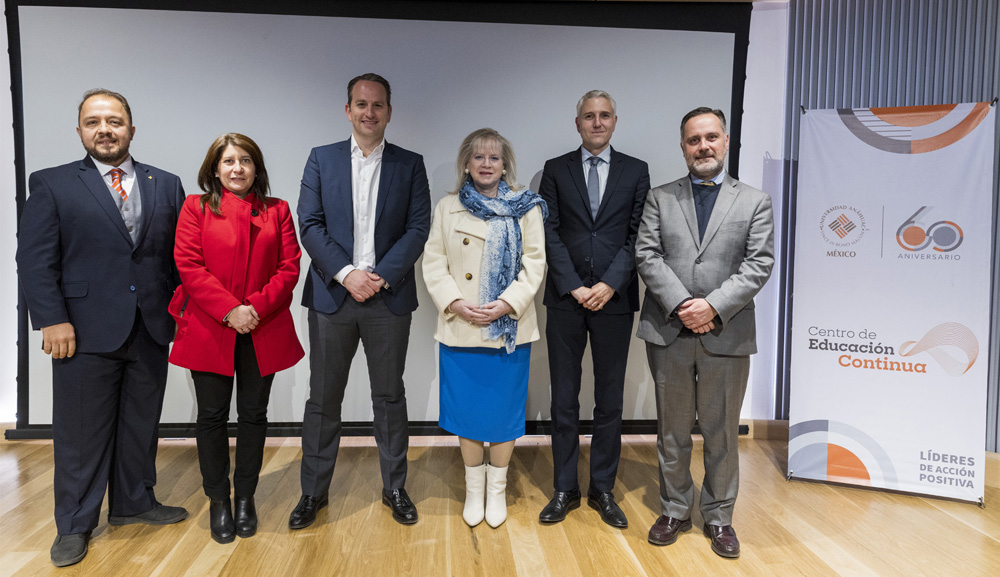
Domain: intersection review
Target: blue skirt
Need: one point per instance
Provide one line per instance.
(483, 392)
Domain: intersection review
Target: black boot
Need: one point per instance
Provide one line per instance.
(246, 517)
(220, 519)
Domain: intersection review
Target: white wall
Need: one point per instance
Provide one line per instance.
(760, 166)
(762, 134)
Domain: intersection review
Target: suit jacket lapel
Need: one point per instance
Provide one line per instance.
(575, 167)
(615, 169)
(723, 203)
(686, 199)
(94, 182)
(147, 196)
(385, 180)
(343, 193)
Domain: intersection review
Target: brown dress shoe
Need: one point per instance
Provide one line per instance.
(724, 541)
(666, 529)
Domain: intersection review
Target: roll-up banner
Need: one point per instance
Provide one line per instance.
(891, 298)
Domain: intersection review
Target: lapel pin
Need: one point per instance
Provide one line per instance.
(150, 177)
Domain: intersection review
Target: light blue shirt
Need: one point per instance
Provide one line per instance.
(717, 180)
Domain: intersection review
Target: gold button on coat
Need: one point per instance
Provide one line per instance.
(468, 276)
(465, 240)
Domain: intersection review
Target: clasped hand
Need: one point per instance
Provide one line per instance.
(593, 298)
(697, 315)
(362, 284)
(481, 315)
(243, 319)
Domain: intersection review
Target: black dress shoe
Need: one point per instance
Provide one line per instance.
(69, 549)
(666, 530)
(724, 541)
(305, 512)
(403, 510)
(245, 515)
(220, 520)
(159, 515)
(562, 502)
(604, 503)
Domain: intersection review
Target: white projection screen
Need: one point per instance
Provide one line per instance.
(281, 79)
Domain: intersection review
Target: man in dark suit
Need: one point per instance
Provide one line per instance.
(705, 248)
(595, 196)
(95, 262)
(364, 215)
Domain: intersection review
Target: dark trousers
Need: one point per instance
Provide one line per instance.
(215, 393)
(566, 333)
(105, 420)
(333, 341)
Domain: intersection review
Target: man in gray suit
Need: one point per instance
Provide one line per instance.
(705, 247)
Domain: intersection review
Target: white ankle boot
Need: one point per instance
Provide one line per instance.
(496, 495)
(475, 489)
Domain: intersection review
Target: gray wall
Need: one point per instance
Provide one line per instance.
(875, 53)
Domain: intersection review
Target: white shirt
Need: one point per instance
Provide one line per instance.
(365, 175)
(603, 168)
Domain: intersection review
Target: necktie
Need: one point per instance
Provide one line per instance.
(594, 186)
(116, 182)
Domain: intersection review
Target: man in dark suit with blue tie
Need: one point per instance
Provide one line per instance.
(95, 262)
(595, 196)
(364, 215)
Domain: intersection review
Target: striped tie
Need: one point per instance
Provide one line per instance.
(116, 182)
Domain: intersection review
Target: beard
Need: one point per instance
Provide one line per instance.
(112, 157)
(707, 168)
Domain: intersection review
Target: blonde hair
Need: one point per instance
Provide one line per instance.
(478, 140)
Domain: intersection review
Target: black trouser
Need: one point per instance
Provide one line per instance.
(105, 418)
(214, 393)
(566, 334)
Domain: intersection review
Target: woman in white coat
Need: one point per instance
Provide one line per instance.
(483, 263)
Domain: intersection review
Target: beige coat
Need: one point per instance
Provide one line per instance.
(452, 261)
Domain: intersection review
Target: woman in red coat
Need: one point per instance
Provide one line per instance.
(238, 260)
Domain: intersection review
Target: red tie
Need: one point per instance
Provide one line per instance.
(116, 182)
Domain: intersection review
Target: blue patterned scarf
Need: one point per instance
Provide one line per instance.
(502, 253)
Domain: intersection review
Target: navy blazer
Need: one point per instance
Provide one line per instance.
(326, 224)
(77, 263)
(583, 250)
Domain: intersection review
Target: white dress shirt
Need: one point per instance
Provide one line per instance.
(366, 172)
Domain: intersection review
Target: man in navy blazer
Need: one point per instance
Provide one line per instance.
(364, 215)
(595, 196)
(95, 262)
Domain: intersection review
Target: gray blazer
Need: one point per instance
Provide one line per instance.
(727, 267)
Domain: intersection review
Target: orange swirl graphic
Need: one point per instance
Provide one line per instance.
(945, 334)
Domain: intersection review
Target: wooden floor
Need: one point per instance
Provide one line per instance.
(786, 528)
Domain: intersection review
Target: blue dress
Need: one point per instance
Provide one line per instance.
(483, 392)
